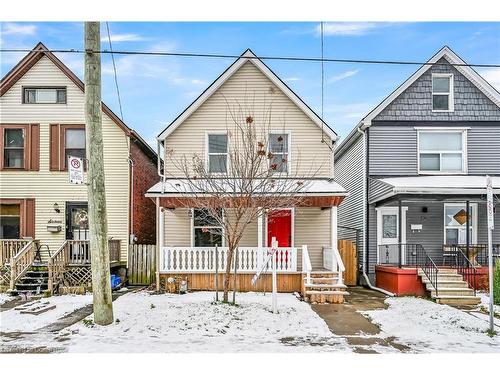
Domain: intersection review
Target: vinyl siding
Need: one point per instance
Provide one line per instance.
(393, 148)
(377, 189)
(312, 228)
(349, 168)
(248, 90)
(50, 187)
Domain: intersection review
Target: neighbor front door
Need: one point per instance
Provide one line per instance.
(388, 234)
(77, 221)
(279, 225)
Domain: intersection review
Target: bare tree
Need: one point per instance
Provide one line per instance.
(233, 189)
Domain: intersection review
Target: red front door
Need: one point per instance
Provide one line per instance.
(279, 225)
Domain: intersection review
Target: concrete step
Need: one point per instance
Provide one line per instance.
(464, 292)
(315, 285)
(448, 284)
(322, 279)
(444, 278)
(443, 273)
(458, 300)
(328, 292)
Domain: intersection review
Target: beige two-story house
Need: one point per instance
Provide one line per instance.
(302, 147)
(42, 122)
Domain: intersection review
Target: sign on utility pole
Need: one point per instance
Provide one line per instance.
(491, 224)
(75, 169)
(96, 194)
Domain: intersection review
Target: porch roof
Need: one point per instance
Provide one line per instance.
(384, 188)
(318, 191)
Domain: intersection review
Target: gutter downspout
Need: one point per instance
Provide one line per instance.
(365, 215)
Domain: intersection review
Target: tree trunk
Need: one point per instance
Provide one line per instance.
(227, 274)
(98, 224)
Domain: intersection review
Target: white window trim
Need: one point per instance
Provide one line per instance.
(474, 209)
(292, 218)
(451, 97)
(289, 152)
(207, 153)
(192, 242)
(444, 130)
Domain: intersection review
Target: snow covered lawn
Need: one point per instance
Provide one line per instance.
(429, 327)
(12, 320)
(194, 323)
(485, 302)
(4, 297)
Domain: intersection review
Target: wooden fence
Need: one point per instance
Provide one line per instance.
(349, 254)
(141, 264)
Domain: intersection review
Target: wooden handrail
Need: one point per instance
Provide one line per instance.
(21, 262)
(56, 265)
(9, 248)
(306, 263)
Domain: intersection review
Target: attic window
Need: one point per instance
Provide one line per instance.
(44, 95)
(442, 92)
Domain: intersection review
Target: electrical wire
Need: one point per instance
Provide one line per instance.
(229, 56)
(114, 70)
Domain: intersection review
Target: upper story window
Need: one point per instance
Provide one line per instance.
(74, 143)
(13, 148)
(44, 95)
(442, 151)
(279, 148)
(442, 92)
(217, 153)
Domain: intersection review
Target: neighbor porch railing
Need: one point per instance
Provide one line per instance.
(205, 259)
(21, 262)
(332, 261)
(10, 248)
(464, 267)
(476, 253)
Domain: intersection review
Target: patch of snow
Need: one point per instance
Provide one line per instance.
(485, 302)
(195, 323)
(4, 297)
(13, 320)
(429, 327)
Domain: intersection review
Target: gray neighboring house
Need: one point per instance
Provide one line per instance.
(416, 164)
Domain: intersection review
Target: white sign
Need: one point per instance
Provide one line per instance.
(489, 203)
(75, 168)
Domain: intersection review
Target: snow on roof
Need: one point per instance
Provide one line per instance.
(172, 187)
(441, 184)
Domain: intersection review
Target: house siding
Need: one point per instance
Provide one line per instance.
(415, 103)
(249, 90)
(349, 172)
(48, 187)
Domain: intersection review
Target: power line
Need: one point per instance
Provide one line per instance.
(114, 70)
(229, 56)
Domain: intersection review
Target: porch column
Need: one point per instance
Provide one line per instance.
(260, 230)
(333, 235)
(159, 239)
(467, 228)
(400, 237)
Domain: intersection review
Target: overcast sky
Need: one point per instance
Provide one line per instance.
(154, 90)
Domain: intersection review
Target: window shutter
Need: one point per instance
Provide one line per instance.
(34, 138)
(28, 225)
(54, 164)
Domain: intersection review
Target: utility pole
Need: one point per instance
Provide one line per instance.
(490, 205)
(98, 222)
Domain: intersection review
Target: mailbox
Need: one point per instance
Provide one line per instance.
(54, 228)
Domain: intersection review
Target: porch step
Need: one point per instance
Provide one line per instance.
(451, 291)
(325, 296)
(458, 300)
(34, 281)
(313, 285)
(322, 279)
(444, 278)
(448, 284)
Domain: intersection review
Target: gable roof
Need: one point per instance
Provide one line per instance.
(248, 55)
(450, 56)
(34, 56)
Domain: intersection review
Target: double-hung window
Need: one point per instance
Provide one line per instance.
(207, 231)
(442, 151)
(13, 148)
(74, 143)
(442, 92)
(44, 95)
(217, 153)
(279, 149)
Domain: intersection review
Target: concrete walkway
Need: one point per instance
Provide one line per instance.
(347, 321)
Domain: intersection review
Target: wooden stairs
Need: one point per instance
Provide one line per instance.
(323, 287)
(451, 288)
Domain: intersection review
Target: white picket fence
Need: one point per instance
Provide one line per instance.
(204, 259)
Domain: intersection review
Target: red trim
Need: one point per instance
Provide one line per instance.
(400, 281)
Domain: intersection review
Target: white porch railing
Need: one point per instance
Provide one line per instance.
(204, 259)
(332, 261)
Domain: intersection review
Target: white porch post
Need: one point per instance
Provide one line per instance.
(260, 238)
(333, 237)
(159, 240)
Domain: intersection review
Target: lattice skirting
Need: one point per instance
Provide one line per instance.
(77, 276)
(5, 275)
